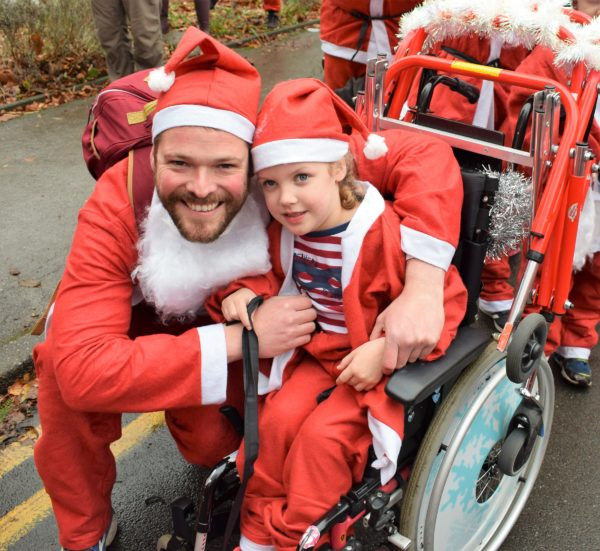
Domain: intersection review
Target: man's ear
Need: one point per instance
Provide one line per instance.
(152, 163)
(340, 170)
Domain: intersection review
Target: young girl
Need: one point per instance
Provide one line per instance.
(336, 240)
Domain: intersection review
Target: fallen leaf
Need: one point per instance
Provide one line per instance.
(14, 271)
(15, 417)
(30, 283)
(15, 389)
(29, 159)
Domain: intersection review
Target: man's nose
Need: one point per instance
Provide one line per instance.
(201, 184)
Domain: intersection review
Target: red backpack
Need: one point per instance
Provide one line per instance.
(120, 125)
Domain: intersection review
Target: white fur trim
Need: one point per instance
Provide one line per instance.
(513, 22)
(386, 445)
(213, 374)
(248, 545)
(302, 150)
(425, 247)
(159, 80)
(574, 352)
(495, 306)
(176, 275)
(584, 244)
(375, 147)
(202, 115)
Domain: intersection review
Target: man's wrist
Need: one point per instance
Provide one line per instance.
(233, 340)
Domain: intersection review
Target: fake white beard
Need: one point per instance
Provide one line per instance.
(586, 232)
(176, 275)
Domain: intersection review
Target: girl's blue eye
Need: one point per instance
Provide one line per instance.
(268, 183)
(302, 177)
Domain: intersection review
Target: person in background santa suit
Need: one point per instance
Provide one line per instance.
(128, 331)
(572, 336)
(353, 31)
(329, 231)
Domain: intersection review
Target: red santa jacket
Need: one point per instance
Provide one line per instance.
(373, 270)
(360, 29)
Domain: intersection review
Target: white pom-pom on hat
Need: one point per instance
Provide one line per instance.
(159, 80)
(375, 147)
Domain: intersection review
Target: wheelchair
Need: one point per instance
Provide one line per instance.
(477, 420)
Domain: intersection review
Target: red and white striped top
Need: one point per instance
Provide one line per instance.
(317, 271)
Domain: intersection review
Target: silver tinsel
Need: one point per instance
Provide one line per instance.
(510, 215)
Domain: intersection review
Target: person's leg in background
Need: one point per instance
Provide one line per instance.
(578, 335)
(272, 7)
(202, 8)
(110, 20)
(164, 16)
(337, 71)
(144, 20)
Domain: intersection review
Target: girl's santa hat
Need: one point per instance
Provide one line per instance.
(303, 120)
(217, 88)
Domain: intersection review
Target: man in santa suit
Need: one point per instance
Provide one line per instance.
(354, 31)
(128, 332)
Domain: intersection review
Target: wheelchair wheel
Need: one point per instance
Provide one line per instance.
(457, 497)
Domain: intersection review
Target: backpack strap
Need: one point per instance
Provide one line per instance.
(140, 181)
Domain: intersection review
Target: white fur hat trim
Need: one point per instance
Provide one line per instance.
(160, 81)
(375, 147)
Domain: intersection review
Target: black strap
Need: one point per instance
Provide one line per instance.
(366, 19)
(250, 361)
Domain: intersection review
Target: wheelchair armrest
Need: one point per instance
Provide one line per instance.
(418, 380)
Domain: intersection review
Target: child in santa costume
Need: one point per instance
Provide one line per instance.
(335, 239)
(354, 31)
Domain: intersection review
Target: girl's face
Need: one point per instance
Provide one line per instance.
(305, 197)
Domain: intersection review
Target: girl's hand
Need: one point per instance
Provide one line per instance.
(234, 307)
(363, 367)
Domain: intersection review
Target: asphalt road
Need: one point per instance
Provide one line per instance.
(43, 183)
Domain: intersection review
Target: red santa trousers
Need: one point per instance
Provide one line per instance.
(574, 334)
(310, 453)
(496, 287)
(272, 5)
(337, 71)
(78, 467)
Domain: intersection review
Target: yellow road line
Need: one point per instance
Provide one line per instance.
(14, 454)
(21, 520)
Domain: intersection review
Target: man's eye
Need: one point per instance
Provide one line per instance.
(177, 162)
(226, 166)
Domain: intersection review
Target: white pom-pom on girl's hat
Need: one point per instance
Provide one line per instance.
(303, 120)
(217, 88)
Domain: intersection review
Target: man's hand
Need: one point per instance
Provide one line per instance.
(234, 307)
(413, 323)
(283, 323)
(362, 368)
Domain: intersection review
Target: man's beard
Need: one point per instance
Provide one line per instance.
(176, 275)
(202, 232)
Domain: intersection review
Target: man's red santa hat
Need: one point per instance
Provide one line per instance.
(217, 88)
(303, 120)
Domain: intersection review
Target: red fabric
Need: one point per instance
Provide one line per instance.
(337, 71)
(301, 480)
(494, 277)
(422, 176)
(577, 327)
(450, 105)
(274, 5)
(341, 28)
(104, 357)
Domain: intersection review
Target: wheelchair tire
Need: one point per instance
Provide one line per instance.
(509, 461)
(456, 496)
(526, 347)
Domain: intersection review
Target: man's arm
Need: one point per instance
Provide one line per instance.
(413, 322)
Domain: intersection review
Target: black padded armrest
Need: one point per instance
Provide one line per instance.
(416, 381)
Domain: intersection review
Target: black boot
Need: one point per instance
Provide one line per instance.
(272, 19)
